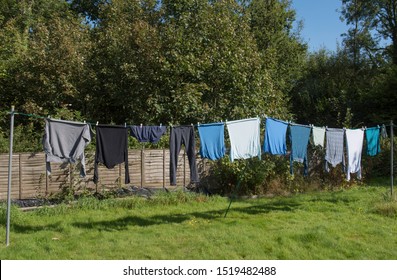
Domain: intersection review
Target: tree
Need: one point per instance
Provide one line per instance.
(374, 23)
(372, 40)
(335, 88)
(47, 48)
(125, 63)
(281, 47)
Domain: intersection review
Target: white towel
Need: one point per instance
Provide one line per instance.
(318, 136)
(244, 138)
(354, 139)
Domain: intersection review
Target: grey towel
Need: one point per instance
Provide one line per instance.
(65, 141)
(334, 148)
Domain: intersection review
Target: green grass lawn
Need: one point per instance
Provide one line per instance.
(359, 223)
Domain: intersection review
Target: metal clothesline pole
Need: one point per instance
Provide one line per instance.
(236, 190)
(9, 176)
(391, 157)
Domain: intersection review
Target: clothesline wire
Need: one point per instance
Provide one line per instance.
(29, 115)
(42, 117)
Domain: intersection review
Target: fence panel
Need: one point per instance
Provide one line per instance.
(147, 168)
(33, 179)
(15, 180)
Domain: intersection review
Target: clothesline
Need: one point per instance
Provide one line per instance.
(195, 125)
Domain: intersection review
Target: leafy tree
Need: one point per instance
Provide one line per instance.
(46, 49)
(281, 47)
(372, 40)
(373, 24)
(335, 89)
(124, 63)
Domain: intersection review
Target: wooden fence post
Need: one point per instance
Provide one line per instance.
(142, 167)
(20, 176)
(184, 168)
(163, 168)
(119, 180)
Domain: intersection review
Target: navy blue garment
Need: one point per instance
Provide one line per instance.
(212, 140)
(299, 136)
(275, 137)
(150, 134)
(182, 135)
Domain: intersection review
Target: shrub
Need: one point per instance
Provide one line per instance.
(253, 176)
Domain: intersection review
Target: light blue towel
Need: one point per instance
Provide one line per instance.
(244, 138)
(212, 140)
(373, 144)
(275, 137)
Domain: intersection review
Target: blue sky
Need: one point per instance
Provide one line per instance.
(321, 24)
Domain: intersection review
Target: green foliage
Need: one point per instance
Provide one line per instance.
(373, 28)
(248, 177)
(149, 61)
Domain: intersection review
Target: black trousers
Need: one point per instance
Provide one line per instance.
(182, 135)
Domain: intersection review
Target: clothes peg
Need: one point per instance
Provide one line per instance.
(97, 123)
(125, 124)
(141, 125)
(161, 124)
(84, 122)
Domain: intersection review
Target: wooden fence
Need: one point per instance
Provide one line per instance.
(148, 168)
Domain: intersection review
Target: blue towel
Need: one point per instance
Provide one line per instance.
(373, 144)
(275, 137)
(212, 140)
(299, 136)
(150, 134)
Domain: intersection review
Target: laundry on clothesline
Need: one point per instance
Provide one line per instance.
(354, 143)
(111, 148)
(334, 153)
(372, 135)
(145, 133)
(212, 140)
(318, 136)
(244, 138)
(299, 136)
(182, 135)
(275, 137)
(65, 142)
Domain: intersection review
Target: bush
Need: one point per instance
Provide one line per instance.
(271, 176)
(253, 176)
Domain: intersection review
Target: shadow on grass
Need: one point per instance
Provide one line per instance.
(125, 222)
(285, 206)
(335, 199)
(31, 229)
